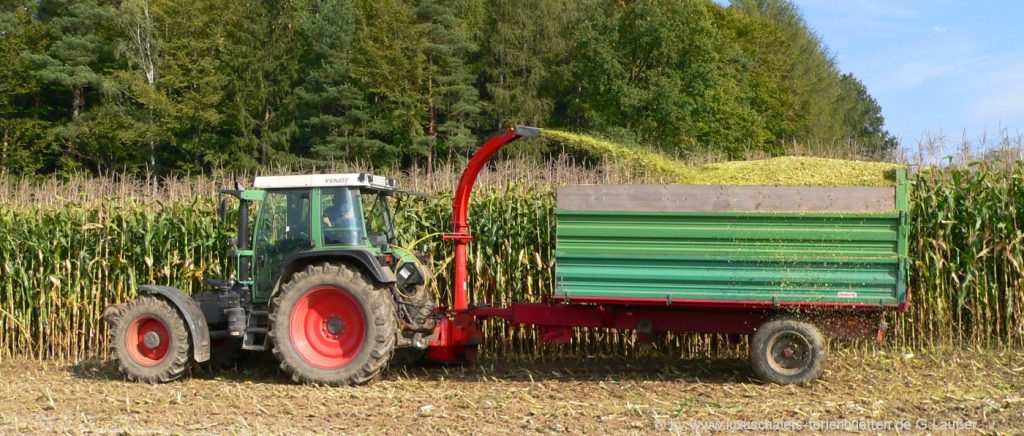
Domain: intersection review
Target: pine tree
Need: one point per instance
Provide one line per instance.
(452, 99)
(262, 58)
(333, 112)
(388, 66)
(24, 121)
(528, 44)
(78, 52)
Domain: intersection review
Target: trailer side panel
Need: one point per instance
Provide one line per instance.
(828, 248)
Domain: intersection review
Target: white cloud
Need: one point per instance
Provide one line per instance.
(914, 73)
(911, 74)
(1001, 93)
(939, 29)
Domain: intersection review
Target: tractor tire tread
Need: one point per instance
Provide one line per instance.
(381, 312)
(181, 342)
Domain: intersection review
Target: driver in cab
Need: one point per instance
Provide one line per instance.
(338, 218)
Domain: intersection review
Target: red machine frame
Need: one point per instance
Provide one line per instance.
(457, 336)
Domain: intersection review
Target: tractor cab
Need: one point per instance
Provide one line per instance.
(311, 216)
(320, 281)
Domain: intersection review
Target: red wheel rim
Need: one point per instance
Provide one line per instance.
(147, 341)
(327, 327)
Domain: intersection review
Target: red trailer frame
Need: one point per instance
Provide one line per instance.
(458, 335)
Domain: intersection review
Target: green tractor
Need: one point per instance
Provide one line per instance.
(320, 282)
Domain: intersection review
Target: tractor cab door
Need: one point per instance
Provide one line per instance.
(342, 217)
(353, 216)
(282, 230)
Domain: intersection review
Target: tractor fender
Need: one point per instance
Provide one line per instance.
(191, 312)
(362, 257)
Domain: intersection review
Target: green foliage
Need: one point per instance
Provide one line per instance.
(662, 69)
(171, 86)
(333, 112)
(527, 46)
(802, 79)
(452, 97)
(966, 272)
(24, 123)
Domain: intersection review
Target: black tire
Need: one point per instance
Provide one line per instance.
(136, 360)
(379, 323)
(788, 352)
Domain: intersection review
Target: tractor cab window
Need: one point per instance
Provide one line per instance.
(379, 227)
(342, 220)
(282, 229)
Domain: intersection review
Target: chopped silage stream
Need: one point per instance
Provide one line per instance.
(861, 387)
(785, 170)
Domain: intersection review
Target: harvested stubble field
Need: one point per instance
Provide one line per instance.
(864, 385)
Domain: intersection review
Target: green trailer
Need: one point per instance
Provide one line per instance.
(734, 246)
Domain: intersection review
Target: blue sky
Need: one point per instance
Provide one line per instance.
(932, 65)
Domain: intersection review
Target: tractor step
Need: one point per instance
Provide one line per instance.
(256, 330)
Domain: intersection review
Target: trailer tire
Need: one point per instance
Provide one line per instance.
(348, 339)
(149, 340)
(788, 351)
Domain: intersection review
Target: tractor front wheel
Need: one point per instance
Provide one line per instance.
(332, 326)
(149, 341)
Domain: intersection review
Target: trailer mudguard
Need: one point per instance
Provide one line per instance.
(191, 312)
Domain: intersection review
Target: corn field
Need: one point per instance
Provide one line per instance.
(62, 266)
(69, 248)
(966, 277)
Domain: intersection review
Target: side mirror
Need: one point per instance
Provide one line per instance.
(222, 210)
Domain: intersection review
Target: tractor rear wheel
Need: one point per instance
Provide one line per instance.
(149, 341)
(331, 325)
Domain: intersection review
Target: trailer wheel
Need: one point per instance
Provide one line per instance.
(149, 341)
(332, 326)
(788, 352)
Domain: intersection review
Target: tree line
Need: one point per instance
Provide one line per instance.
(174, 86)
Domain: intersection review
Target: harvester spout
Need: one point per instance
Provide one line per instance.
(527, 131)
(460, 224)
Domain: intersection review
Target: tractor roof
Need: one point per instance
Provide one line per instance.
(325, 180)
